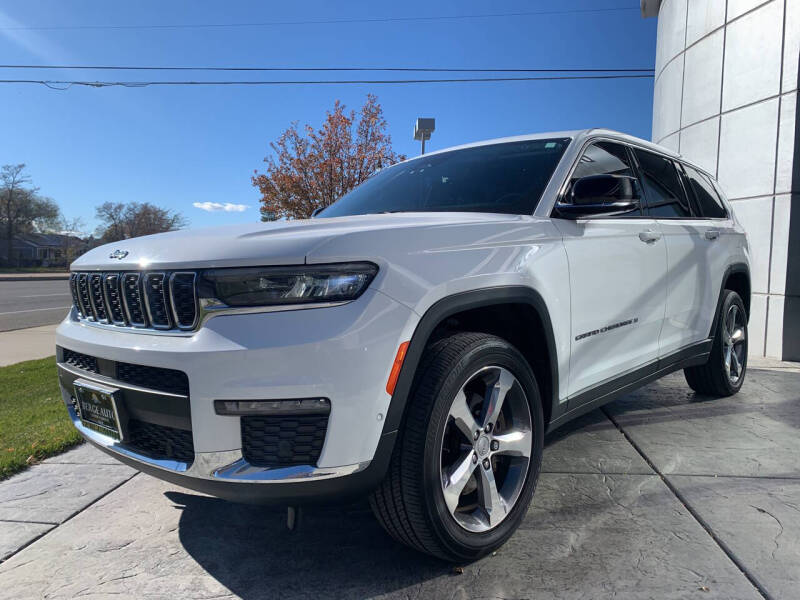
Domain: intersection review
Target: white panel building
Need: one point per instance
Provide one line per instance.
(726, 97)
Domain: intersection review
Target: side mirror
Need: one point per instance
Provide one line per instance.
(600, 195)
(316, 211)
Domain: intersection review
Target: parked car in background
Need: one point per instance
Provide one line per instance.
(416, 339)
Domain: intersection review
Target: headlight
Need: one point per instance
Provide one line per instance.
(276, 286)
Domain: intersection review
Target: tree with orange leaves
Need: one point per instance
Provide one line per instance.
(311, 168)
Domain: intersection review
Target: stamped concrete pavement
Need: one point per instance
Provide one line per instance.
(663, 494)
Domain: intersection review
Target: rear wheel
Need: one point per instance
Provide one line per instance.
(465, 466)
(725, 370)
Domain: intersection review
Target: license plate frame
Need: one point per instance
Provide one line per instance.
(99, 408)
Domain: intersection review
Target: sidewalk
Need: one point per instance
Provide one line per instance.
(661, 494)
(27, 344)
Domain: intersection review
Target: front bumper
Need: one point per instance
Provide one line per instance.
(341, 353)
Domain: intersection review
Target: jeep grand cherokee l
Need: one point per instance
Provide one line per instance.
(416, 339)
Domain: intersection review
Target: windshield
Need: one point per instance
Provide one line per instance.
(500, 178)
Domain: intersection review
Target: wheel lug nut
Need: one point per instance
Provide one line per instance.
(495, 444)
(488, 428)
(486, 464)
(476, 435)
(474, 458)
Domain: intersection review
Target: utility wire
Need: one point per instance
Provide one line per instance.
(97, 84)
(299, 69)
(322, 21)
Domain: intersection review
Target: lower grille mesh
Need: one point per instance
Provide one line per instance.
(81, 361)
(154, 378)
(160, 441)
(283, 441)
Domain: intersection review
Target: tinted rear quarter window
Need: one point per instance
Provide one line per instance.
(708, 201)
(664, 193)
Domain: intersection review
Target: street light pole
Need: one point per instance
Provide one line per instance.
(423, 129)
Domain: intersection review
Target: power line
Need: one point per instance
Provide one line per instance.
(322, 21)
(130, 84)
(304, 69)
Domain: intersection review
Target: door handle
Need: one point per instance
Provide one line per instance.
(712, 234)
(648, 236)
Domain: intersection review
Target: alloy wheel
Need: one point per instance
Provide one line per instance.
(734, 333)
(486, 449)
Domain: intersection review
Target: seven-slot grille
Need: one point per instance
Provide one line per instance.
(156, 300)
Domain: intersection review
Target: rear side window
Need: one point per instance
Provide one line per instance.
(664, 194)
(708, 201)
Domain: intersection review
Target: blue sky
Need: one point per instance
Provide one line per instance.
(180, 146)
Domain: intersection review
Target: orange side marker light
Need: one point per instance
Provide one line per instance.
(398, 364)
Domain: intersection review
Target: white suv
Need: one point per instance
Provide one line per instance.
(415, 340)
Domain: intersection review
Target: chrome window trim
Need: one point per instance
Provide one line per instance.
(164, 296)
(172, 300)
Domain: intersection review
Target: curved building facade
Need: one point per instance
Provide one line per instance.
(726, 97)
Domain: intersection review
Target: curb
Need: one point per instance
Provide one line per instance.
(53, 277)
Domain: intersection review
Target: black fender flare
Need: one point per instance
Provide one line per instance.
(732, 269)
(450, 305)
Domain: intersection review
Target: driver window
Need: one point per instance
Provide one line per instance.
(604, 158)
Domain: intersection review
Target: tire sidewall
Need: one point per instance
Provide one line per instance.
(491, 352)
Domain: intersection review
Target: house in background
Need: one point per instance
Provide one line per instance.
(42, 250)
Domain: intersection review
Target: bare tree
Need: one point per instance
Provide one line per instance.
(21, 208)
(122, 221)
(71, 243)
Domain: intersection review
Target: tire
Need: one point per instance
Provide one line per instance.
(410, 503)
(714, 378)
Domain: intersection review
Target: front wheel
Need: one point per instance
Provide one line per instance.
(724, 372)
(468, 457)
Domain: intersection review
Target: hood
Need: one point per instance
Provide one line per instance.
(275, 243)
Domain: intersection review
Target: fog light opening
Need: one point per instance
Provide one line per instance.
(301, 406)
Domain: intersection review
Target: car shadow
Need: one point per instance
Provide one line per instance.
(336, 552)
(342, 552)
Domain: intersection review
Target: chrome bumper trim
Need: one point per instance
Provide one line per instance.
(97, 378)
(217, 466)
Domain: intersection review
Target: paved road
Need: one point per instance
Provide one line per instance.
(32, 303)
(662, 494)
